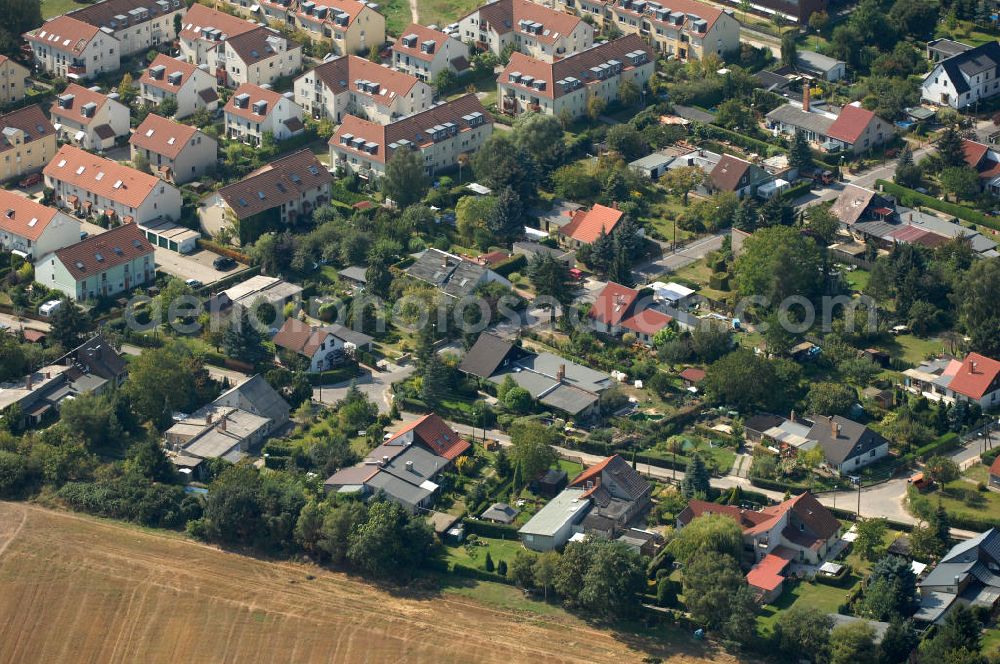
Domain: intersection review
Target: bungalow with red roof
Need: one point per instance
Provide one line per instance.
(424, 52)
(799, 529)
(619, 310)
(691, 376)
(531, 28)
(403, 468)
(88, 118)
(193, 89)
(986, 162)
(585, 226)
(858, 130)
(253, 111)
(33, 229)
(565, 87)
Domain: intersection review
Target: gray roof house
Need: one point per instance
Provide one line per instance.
(969, 575)
(847, 445)
(820, 66)
(532, 250)
(790, 118)
(554, 524)
(618, 491)
(452, 275)
(500, 513)
(551, 380)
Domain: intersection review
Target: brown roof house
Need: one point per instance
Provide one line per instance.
(32, 229)
(424, 52)
(586, 226)
(253, 111)
(738, 176)
(324, 347)
(176, 152)
(27, 142)
(70, 48)
(532, 29)
(260, 56)
(88, 118)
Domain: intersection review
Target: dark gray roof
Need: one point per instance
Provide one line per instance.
(772, 81)
(348, 335)
(257, 396)
(794, 116)
(762, 422)
(485, 356)
(354, 273)
(501, 512)
(96, 356)
(974, 61)
(451, 274)
(816, 62)
(948, 47)
(853, 439)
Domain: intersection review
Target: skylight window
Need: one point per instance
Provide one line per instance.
(99, 176)
(150, 132)
(80, 170)
(118, 184)
(62, 162)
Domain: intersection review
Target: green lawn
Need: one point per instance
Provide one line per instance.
(697, 275)
(443, 12)
(475, 556)
(52, 8)
(986, 507)
(504, 597)
(816, 595)
(991, 641)
(572, 468)
(661, 219)
(914, 349)
(965, 32)
(857, 279)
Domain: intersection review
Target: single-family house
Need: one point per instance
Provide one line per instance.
(965, 78)
(273, 197)
(189, 86)
(203, 37)
(12, 78)
(88, 118)
(552, 526)
(618, 492)
(253, 111)
(66, 47)
(681, 29)
(942, 49)
(847, 445)
(137, 25)
(453, 275)
(253, 292)
(533, 250)
(820, 66)
(27, 142)
(737, 175)
(176, 152)
(565, 87)
(91, 185)
(586, 226)
(968, 575)
(41, 393)
(96, 364)
(350, 85)
(31, 229)
(551, 380)
(260, 56)
(101, 265)
(404, 468)
(619, 310)
(443, 135)
(857, 130)
(532, 29)
(986, 162)
(974, 379)
(425, 52)
(856, 204)
(324, 347)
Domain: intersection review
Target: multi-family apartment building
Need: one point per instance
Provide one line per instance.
(260, 56)
(32, 229)
(351, 26)
(356, 86)
(684, 29)
(441, 134)
(424, 52)
(564, 88)
(88, 118)
(204, 34)
(534, 30)
(176, 152)
(12, 77)
(138, 25)
(69, 48)
(101, 265)
(27, 142)
(253, 111)
(191, 87)
(87, 184)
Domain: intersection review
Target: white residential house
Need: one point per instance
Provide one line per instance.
(191, 87)
(350, 85)
(964, 79)
(90, 185)
(32, 229)
(681, 29)
(323, 347)
(566, 86)
(88, 118)
(138, 25)
(253, 111)
(68, 48)
(350, 26)
(204, 34)
(260, 56)
(176, 152)
(101, 265)
(424, 53)
(534, 30)
(442, 135)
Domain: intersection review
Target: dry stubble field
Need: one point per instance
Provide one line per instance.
(77, 589)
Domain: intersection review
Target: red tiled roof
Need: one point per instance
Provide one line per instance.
(977, 376)
(277, 183)
(504, 16)
(81, 97)
(745, 518)
(973, 152)
(170, 66)
(423, 34)
(257, 45)
(647, 321)
(767, 574)
(592, 473)
(101, 176)
(299, 337)
(115, 247)
(31, 120)
(162, 136)
(200, 16)
(702, 10)
(850, 124)
(693, 374)
(21, 216)
(613, 303)
(349, 7)
(64, 33)
(256, 94)
(586, 226)
(340, 73)
(435, 433)
(995, 467)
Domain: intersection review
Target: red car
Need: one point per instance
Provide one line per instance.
(30, 181)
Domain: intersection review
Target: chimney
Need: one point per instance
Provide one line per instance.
(792, 417)
(409, 466)
(208, 418)
(805, 97)
(222, 423)
(834, 428)
(30, 381)
(385, 460)
(561, 373)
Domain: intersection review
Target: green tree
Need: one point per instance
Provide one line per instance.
(627, 141)
(789, 49)
(804, 633)
(942, 470)
(744, 380)
(488, 564)
(148, 458)
(14, 361)
(778, 263)
(800, 155)
(949, 149)
(696, 478)
(979, 307)
(390, 542)
(91, 420)
(620, 270)
(405, 181)
(167, 379)
(471, 215)
(167, 107)
(710, 533)
(853, 643)
(870, 542)
(681, 181)
(531, 447)
(506, 220)
(500, 163)
(710, 581)
(68, 324)
(434, 383)
(735, 115)
(612, 581)
(243, 341)
(551, 278)
(541, 136)
(522, 569)
(339, 523)
(823, 223)
(710, 341)
(962, 181)
(898, 642)
(831, 398)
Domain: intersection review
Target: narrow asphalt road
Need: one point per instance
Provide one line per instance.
(671, 261)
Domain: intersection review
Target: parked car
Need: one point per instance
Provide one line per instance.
(193, 283)
(49, 308)
(30, 181)
(223, 263)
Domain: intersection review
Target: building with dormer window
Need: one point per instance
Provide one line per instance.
(351, 26)
(88, 118)
(193, 88)
(27, 142)
(534, 30)
(424, 52)
(253, 111)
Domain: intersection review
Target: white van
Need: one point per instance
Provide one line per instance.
(49, 308)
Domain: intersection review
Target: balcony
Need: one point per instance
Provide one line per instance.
(535, 108)
(76, 70)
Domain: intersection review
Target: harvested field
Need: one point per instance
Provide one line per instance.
(78, 589)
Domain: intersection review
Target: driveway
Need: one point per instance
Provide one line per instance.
(669, 262)
(378, 387)
(196, 265)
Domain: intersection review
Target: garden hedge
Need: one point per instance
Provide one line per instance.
(912, 198)
(490, 529)
(474, 573)
(944, 443)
